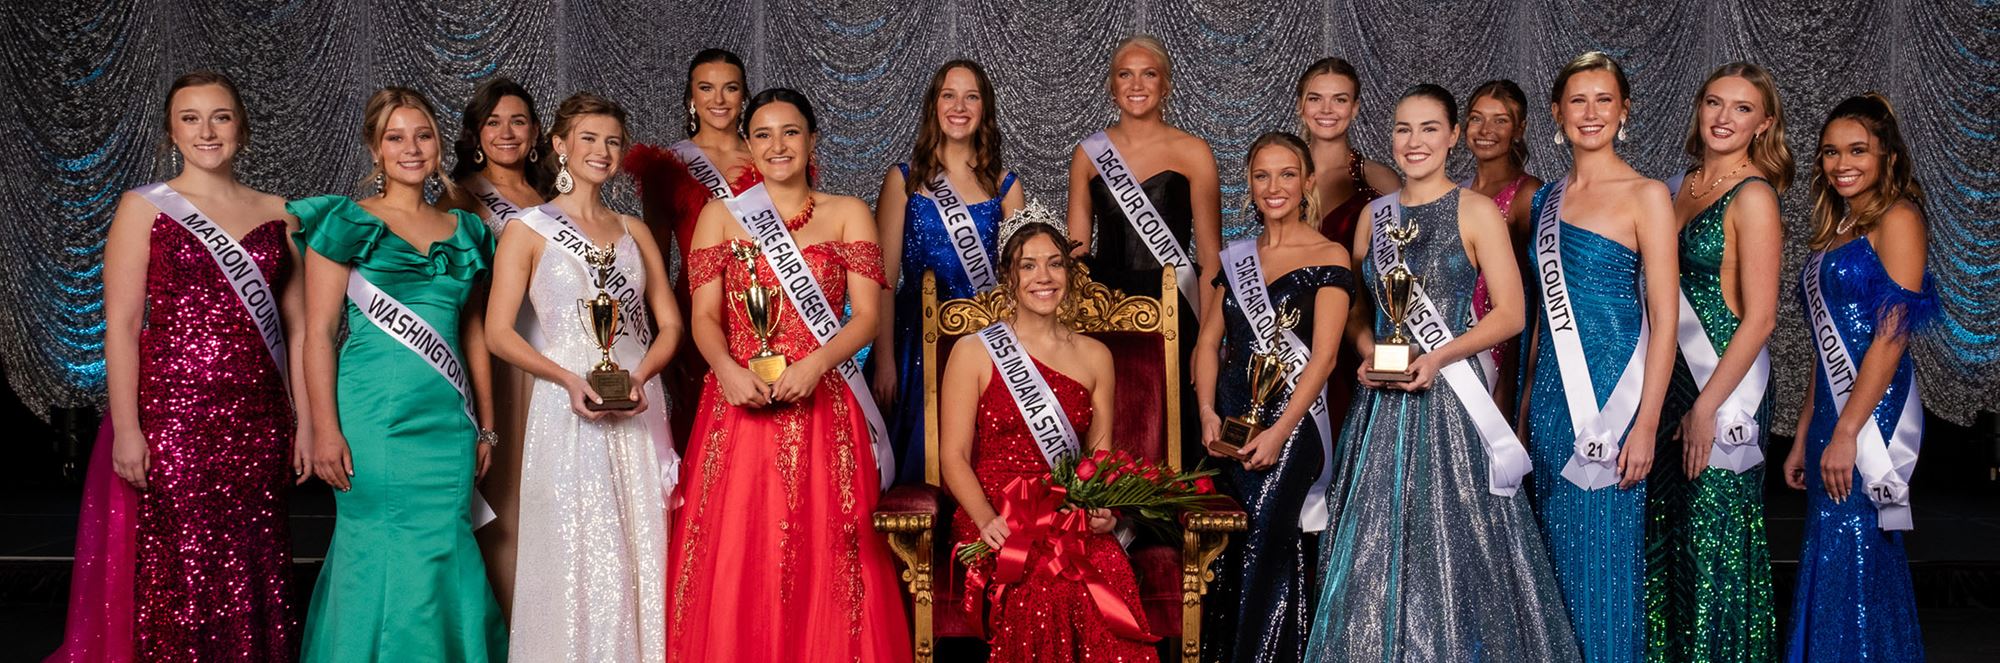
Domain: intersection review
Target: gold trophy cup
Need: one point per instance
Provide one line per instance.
(1391, 362)
(1267, 371)
(760, 304)
(603, 317)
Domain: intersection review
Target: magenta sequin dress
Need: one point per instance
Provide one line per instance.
(214, 555)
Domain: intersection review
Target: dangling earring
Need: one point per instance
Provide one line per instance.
(564, 183)
(381, 186)
(433, 185)
(694, 126)
(478, 155)
(1559, 136)
(1621, 132)
(534, 154)
(174, 158)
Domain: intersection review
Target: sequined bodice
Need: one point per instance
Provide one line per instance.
(830, 262)
(926, 245)
(190, 309)
(1296, 290)
(1437, 257)
(1702, 242)
(1002, 446)
(560, 285)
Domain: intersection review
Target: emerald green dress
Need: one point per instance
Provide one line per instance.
(1708, 568)
(403, 580)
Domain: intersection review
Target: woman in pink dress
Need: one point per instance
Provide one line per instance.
(1496, 134)
(197, 302)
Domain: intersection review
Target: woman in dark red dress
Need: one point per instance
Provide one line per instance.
(985, 445)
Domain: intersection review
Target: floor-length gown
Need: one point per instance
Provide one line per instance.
(1708, 568)
(1482, 302)
(927, 247)
(98, 625)
(1595, 537)
(212, 571)
(591, 584)
(1337, 225)
(1422, 563)
(1046, 617)
(403, 579)
(775, 556)
(1260, 608)
(1119, 259)
(1853, 600)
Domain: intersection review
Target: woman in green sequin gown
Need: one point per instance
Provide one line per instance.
(1708, 568)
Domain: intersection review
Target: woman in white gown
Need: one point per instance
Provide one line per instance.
(596, 484)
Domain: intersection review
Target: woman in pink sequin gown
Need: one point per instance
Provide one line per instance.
(200, 421)
(1496, 134)
(985, 445)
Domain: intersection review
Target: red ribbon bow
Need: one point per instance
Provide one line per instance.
(1034, 514)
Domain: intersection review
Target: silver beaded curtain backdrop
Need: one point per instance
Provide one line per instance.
(84, 83)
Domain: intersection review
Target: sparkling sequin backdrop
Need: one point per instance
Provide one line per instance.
(83, 85)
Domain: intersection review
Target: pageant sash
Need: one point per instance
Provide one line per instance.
(1139, 211)
(701, 169)
(557, 228)
(399, 322)
(495, 208)
(1246, 278)
(759, 217)
(240, 270)
(1594, 463)
(1506, 460)
(1885, 465)
(1045, 417)
(1489, 360)
(963, 232)
(1735, 447)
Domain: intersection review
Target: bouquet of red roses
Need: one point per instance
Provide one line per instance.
(1153, 495)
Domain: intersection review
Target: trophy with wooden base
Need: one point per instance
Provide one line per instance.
(1391, 362)
(760, 305)
(603, 316)
(1267, 371)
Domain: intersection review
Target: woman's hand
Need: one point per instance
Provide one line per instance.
(1102, 521)
(129, 457)
(1697, 435)
(332, 462)
(798, 381)
(1795, 461)
(1262, 451)
(1361, 373)
(1635, 459)
(636, 395)
(740, 387)
(884, 383)
(1211, 433)
(482, 459)
(1424, 371)
(994, 533)
(302, 454)
(581, 397)
(1836, 465)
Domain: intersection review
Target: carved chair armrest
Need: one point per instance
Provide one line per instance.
(1204, 535)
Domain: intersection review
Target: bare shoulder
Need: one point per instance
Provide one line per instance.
(968, 357)
(1096, 355)
(1900, 241)
(1382, 177)
(1473, 202)
(1903, 223)
(131, 204)
(840, 205)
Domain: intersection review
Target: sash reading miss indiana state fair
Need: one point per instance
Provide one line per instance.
(1885, 465)
(238, 269)
(1044, 415)
(1246, 278)
(1506, 460)
(1139, 211)
(1594, 464)
(759, 217)
(701, 169)
(1735, 447)
(963, 233)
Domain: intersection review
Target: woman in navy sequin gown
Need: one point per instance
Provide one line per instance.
(1616, 236)
(1853, 600)
(202, 423)
(1260, 608)
(959, 139)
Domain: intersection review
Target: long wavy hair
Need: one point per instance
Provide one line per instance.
(930, 133)
(1510, 95)
(1768, 151)
(477, 111)
(1897, 181)
(375, 120)
(1010, 254)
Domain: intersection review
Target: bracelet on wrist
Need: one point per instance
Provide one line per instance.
(488, 437)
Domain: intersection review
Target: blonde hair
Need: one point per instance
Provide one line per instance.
(1149, 44)
(1768, 151)
(1896, 180)
(375, 120)
(1309, 195)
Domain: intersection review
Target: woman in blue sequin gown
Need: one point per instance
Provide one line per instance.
(1423, 560)
(959, 138)
(1596, 537)
(1853, 600)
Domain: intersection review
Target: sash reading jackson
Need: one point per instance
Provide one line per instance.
(1885, 465)
(1598, 432)
(1139, 211)
(560, 231)
(1246, 278)
(759, 217)
(1040, 410)
(238, 269)
(963, 233)
(1506, 460)
(495, 208)
(701, 169)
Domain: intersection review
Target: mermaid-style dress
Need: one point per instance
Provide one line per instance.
(403, 579)
(1260, 608)
(1708, 568)
(1422, 563)
(926, 246)
(1046, 617)
(1853, 600)
(1119, 259)
(1595, 537)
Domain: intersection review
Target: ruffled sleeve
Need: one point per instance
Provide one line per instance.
(864, 258)
(1900, 311)
(336, 227)
(479, 257)
(706, 264)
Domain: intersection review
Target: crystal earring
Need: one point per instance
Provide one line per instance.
(693, 125)
(534, 154)
(433, 186)
(1559, 137)
(1622, 136)
(174, 159)
(564, 183)
(381, 186)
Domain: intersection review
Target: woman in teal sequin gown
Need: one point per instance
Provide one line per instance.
(1853, 600)
(403, 579)
(1708, 567)
(1598, 213)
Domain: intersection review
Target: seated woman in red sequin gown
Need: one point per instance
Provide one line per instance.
(986, 443)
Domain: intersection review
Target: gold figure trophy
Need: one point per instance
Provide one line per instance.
(760, 304)
(1267, 372)
(1391, 362)
(603, 316)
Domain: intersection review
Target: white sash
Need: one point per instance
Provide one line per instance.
(1507, 461)
(964, 234)
(1884, 464)
(759, 217)
(495, 208)
(1246, 278)
(400, 323)
(1594, 464)
(699, 167)
(557, 228)
(1039, 408)
(1139, 211)
(1489, 360)
(238, 268)
(1737, 436)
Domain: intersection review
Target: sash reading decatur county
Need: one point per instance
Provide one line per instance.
(1138, 211)
(240, 270)
(1245, 270)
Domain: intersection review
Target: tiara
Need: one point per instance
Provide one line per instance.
(1033, 212)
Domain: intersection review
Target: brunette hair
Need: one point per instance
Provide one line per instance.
(779, 95)
(1768, 151)
(1897, 180)
(1590, 61)
(707, 56)
(576, 106)
(201, 77)
(930, 133)
(1510, 95)
(1010, 253)
(484, 99)
(1309, 195)
(375, 120)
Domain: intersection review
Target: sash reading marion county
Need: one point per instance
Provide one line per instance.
(238, 269)
(1885, 465)
(1040, 410)
(759, 217)
(1139, 211)
(1506, 459)
(1598, 432)
(1246, 278)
